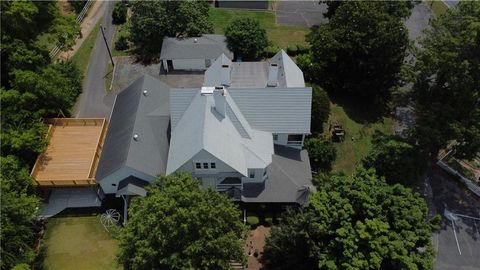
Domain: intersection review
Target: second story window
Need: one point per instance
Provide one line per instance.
(252, 174)
(275, 137)
(205, 165)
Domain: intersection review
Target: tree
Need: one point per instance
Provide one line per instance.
(246, 38)
(151, 21)
(447, 89)
(360, 51)
(355, 222)
(180, 225)
(18, 214)
(320, 109)
(401, 9)
(321, 152)
(119, 14)
(395, 159)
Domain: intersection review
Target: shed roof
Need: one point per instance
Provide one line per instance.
(145, 115)
(204, 47)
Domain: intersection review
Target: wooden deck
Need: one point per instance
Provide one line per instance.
(72, 154)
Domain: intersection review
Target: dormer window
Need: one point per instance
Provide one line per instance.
(205, 165)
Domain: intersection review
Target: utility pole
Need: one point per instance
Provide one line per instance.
(106, 43)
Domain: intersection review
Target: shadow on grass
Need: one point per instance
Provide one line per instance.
(360, 109)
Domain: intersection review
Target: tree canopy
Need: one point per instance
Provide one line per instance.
(395, 159)
(246, 38)
(360, 50)
(18, 214)
(355, 222)
(320, 109)
(447, 87)
(180, 225)
(400, 9)
(151, 21)
(321, 152)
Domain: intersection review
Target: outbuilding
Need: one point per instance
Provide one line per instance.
(193, 53)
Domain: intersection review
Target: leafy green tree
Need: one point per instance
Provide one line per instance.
(18, 214)
(321, 152)
(360, 51)
(77, 5)
(401, 9)
(180, 225)
(320, 109)
(355, 222)
(447, 89)
(66, 30)
(119, 14)
(246, 38)
(151, 21)
(395, 159)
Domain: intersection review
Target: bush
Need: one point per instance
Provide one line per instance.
(302, 49)
(252, 221)
(121, 44)
(77, 5)
(119, 15)
(308, 66)
(246, 38)
(270, 51)
(256, 253)
(322, 153)
(268, 221)
(292, 50)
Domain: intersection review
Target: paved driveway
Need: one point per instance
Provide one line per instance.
(300, 13)
(457, 243)
(418, 22)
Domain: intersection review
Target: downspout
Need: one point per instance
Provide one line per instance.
(125, 209)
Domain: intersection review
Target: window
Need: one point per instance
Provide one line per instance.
(198, 165)
(295, 137)
(213, 165)
(275, 137)
(205, 165)
(252, 174)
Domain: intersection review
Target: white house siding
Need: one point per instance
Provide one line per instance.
(119, 175)
(189, 64)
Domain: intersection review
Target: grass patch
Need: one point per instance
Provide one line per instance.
(358, 138)
(122, 29)
(437, 7)
(82, 56)
(109, 76)
(79, 243)
(280, 35)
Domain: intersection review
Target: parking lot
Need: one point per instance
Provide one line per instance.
(300, 13)
(457, 243)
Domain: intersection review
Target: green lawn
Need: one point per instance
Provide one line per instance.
(79, 243)
(357, 139)
(82, 56)
(281, 36)
(437, 7)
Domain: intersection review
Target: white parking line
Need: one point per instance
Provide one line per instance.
(456, 240)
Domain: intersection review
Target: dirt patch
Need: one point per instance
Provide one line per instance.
(256, 241)
(65, 7)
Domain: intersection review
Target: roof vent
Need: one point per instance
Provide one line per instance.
(195, 40)
(145, 92)
(135, 137)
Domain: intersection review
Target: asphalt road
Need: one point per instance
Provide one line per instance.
(94, 101)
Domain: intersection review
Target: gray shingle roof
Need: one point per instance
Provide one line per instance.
(146, 115)
(289, 177)
(277, 110)
(204, 47)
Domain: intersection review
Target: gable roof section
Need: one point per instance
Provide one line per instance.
(202, 128)
(180, 99)
(146, 115)
(204, 47)
(278, 110)
(289, 74)
(213, 75)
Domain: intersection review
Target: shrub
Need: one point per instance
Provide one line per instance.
(271, 50)
(268, 221)
(302, 49)
(292, 50)
(256, 253)
(252, 221)
(119, 15)
(121, 44)
(322, 153)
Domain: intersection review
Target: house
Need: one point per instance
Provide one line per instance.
(192, 53)
(241, 133)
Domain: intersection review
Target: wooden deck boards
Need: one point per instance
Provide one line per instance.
(72, 153)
